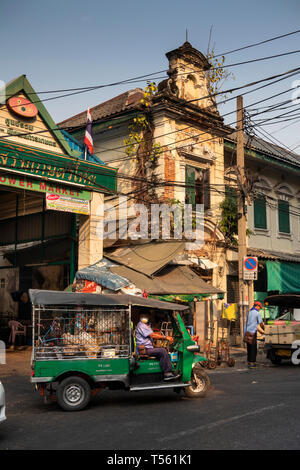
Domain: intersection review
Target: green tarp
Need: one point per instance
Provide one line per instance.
(283, 277)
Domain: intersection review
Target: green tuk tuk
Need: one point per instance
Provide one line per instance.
(83, 343)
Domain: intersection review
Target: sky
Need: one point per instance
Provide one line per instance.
(71, 44)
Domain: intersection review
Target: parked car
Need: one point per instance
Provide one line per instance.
(2, 403)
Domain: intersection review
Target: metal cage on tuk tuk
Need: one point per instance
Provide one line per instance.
(84, 326)
(80, 332)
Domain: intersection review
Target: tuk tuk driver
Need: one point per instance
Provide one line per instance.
(144, 335)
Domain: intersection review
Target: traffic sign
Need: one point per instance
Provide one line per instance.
(250, 267)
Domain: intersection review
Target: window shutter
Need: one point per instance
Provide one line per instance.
(206, 189)
(190, 185)
(260, 213)
(283, 216)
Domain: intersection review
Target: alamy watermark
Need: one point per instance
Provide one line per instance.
(123, 220)
(296, 353)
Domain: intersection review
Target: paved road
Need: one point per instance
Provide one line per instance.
(245, 410)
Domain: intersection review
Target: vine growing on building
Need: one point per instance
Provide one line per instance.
(217, 74)
(140, 145)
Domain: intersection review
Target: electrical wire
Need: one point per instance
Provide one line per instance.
(266, 133)
(93, 87)
(259, 43)
(120, 176)
(188, 127)
(281, 121)
(205, 132)
(285, 75)
(84, 90)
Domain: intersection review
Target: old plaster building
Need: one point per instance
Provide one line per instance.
(194, 162)
(189, 166)
(273, 216)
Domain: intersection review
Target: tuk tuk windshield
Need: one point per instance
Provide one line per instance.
(285, 307)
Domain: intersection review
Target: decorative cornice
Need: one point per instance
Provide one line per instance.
(190, 55)
(209, 159)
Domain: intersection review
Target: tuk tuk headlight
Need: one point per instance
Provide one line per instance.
(193, 348)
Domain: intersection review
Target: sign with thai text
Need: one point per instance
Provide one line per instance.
(250, 268)
(18, 182)
(58, 202)
(57, 167)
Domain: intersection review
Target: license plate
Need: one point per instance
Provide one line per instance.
(283, 352)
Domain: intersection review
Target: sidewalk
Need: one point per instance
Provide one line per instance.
(17, 362)
(239, 354)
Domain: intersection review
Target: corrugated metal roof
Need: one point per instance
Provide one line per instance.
(275, 151)
(53, 250)
(129, 99)
(146, 258)
(274, 255)
(80, 148)
(170, 280)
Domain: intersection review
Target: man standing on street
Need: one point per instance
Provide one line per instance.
(254, 323)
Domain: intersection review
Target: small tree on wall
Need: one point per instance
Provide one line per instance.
(229, 217)
(229, 221)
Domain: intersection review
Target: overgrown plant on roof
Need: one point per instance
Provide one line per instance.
(140, 144)
(217, 74)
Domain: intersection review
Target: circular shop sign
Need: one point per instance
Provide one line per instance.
(22, 107)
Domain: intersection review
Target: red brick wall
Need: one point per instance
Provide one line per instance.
(169, 175)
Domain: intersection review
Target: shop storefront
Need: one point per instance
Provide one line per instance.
(51, 199)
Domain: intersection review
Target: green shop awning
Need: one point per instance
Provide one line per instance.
(283, 277)
(187, 298)
(28, 161)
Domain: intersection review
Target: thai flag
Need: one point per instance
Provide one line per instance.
(88, 138)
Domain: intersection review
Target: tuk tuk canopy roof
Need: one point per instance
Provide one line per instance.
(284, 300)
(50, 297)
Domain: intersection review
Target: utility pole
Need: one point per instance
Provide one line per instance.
(242, 210)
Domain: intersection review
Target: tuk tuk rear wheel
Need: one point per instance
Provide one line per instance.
(73, 394)
(200, 383)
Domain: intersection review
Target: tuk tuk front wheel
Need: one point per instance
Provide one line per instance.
(274, 358)
(73, 394)
(200, 383)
